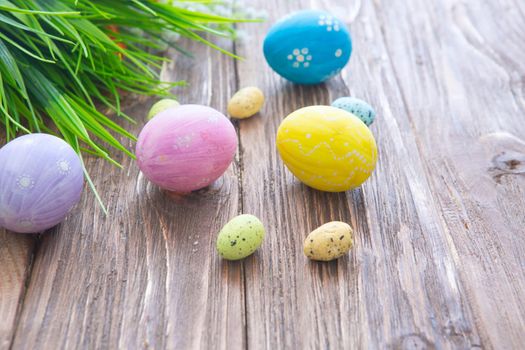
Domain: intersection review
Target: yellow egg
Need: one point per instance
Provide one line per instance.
(246, 102)
(327, 148)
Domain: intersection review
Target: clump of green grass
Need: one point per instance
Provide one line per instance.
(58, 58)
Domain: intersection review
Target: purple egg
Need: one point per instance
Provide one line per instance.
(186, 148)
(41, 179)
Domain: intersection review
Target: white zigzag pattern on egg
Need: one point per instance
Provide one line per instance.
(348, 155)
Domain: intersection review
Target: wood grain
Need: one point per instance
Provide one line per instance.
(16, 253)
(291, 302)
(458, 74)
(148, 275)
(412, 281)
(439, 256)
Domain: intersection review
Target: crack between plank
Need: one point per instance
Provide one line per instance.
(21, 300)
(240, 178)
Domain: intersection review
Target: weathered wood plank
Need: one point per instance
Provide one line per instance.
(147, 276)
(291, 302)
(460, 66)
(415, 269)
(16, 251)
(439, 249)
(15, 266)
(404, 284)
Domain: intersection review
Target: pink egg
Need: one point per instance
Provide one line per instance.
(186, 148)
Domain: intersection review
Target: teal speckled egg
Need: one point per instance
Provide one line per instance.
(357, 107)
(308, 47)
(240, 237)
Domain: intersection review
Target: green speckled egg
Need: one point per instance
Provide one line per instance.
(160, 106)
(240, 237)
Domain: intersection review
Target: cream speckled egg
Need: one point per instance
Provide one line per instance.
(240, 237)
(329, 241)
(246, 102)
(327, 148)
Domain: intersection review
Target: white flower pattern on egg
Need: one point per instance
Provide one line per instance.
(63, 167)
(25, 182)
(213, 119)
(329, 22)
(204, 181)
(300, 57)
(333, 73)
(183, 141)
(26, 222)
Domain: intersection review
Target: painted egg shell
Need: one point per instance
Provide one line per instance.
(327, 148)
(246, 102)
(357, 107)
(41, 179)
(161, 105)
(308, 47)
(186, 148)
(240, 237)
(329, 241)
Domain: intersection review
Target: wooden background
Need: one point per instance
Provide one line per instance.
(439, 257)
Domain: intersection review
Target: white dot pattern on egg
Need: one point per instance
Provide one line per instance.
(308, 47)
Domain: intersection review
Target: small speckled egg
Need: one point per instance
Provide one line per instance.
(161, 105)
(327, 148)
(329, 241)
(357, 107)
(308, 47)
(240, 237)
(41, 179)
(246, 102)
(186, 148)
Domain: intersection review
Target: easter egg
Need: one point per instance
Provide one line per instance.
(308, 47)
(186, 148)
(160, 106)
(246, 102)
(240, 237)
(357, 107)
(327, 148)
(329, 241)
(41, 179)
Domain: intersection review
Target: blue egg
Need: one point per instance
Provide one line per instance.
(308, 47)
(357, 107)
